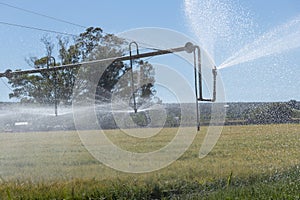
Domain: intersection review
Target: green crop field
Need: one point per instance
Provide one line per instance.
(248, 162)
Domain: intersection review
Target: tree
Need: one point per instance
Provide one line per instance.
(36, 88)
(269, 114)
(143, 86)
(294, 104)
(89, 45)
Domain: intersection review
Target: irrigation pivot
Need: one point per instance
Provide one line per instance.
(188, 48)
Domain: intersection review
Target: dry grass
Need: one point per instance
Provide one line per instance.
(59, 158)
(242, 150)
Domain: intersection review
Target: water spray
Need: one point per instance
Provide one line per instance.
(188, 48)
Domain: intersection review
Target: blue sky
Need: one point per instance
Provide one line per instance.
(267, 79)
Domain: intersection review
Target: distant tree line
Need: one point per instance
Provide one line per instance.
(269, 114)
(242, 113)
(263, 113)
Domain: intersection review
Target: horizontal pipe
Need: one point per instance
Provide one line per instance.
(9, 73)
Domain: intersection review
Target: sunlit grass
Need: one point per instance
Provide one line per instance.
(58, 163)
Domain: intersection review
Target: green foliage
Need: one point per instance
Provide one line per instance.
(89, 45)
(140, 118)
(116, 80)
(296, 114)
(32, 88)
(294, 104)
(271, 113)
(260, 112)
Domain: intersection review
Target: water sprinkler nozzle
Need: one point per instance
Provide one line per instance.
(214, 71)
(8, 73)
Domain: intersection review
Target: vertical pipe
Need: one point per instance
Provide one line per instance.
(55, 83)
(199, 72)
(214, 71)
(132, 78)
(55, 92)
(196, 91)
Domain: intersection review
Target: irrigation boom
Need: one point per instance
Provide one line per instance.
(189, 48)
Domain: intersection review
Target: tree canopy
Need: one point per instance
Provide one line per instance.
(92, 44)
